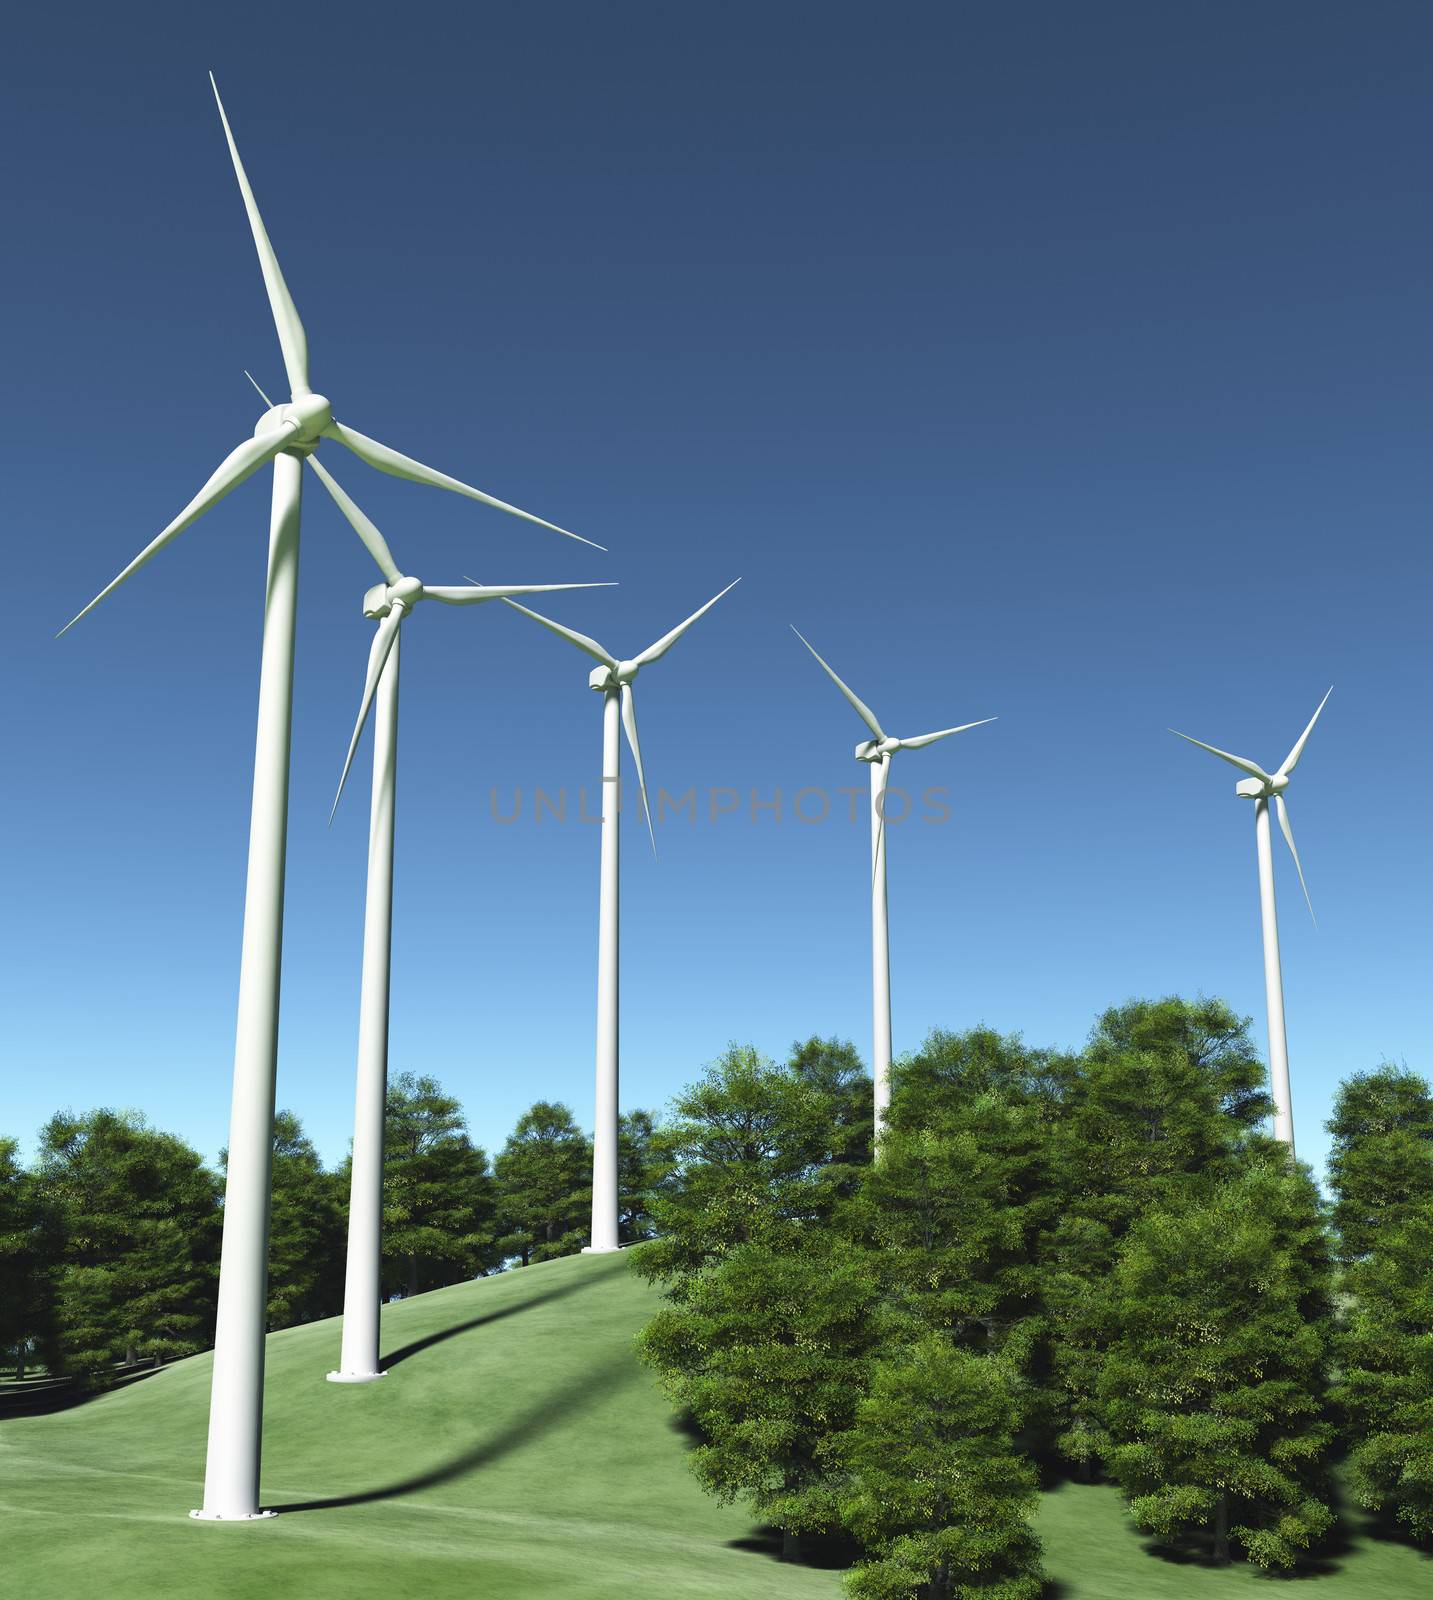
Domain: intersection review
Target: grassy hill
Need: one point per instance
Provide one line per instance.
(516, 1451)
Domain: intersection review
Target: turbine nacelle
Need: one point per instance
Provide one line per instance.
(1258, 789)
(874, 750)
(382, 597)
(605, 678)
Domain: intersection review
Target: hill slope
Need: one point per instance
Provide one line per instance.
(516, 1451)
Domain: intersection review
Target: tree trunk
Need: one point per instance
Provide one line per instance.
(412, 1276)
(790, 1545)
(940, 1583)
(129, 1355)
(1221, 1531)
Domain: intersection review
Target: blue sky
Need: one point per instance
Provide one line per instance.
(1066, 365)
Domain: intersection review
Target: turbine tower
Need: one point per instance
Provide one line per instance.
(612, 679)
(877, 752)
(286, 435)
(1261, 787)
(387, 604)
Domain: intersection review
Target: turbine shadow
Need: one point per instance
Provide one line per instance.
(407, 1351)
(565, 1403)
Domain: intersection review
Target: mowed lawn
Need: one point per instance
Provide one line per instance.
(515, 1450)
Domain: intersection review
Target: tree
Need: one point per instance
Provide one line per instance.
(1215, 1386)
(639, 1170)
(136, 1218)
(438, 1195)
(1166, 1092)
(767, 1352)
(1381, 1164)
(752, 1154)
(1382, 1173)
(306, 1230)
(544, 1186)
(939, 1494)
(1386, 1385)
(26, 1288)
(833, 1067)
(765, 1335)
(953, 1209)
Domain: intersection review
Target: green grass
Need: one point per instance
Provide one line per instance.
(516, 1451)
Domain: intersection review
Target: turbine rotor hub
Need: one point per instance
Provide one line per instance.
(306, 418)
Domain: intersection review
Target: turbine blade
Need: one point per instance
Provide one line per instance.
(262, 396)
(862, 709)
(655, 652)
(923, 739)
(880, 803)
(1251, 767)
(629, 723)
(373, 540)
(455, 595)
(1283, 811)
(1292, 759)
(386, 459)
(587, 646)
(292, 339)
(377, 659)
(239, 464)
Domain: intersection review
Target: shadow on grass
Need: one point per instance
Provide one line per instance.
(522, 1430)
(407, 1351)
(830, 1552)
(43, 1397)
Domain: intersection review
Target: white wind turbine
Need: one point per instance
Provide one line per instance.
(612, 679)
(285, 435)
(387, 604)
(877, 752)
(1261, 787)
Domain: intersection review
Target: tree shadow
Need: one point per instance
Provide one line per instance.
(407, 1351)
(828, 1552)
(559, 1407)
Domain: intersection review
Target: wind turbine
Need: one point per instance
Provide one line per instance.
(387, 604)
(285, 435)
(613, 680)
(1261, 787)
(877, 752)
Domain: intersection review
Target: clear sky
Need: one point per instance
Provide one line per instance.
(1069, 365)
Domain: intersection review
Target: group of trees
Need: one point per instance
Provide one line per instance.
(1090, 1262)
(109, 1239)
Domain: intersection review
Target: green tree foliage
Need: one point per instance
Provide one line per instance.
(767, 1353)
(438, 1195)
(1215, 1387)
(26, 1286)
(306, 1230)
(766, 1331)
(639, 1171)
(1167, 1092)
(833, 1067)
(1381, 1163)
(938, 1493)
(136, 1228)
(1382, 1171)
(955, 1203)
(753, 1154)
(544, 1186)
